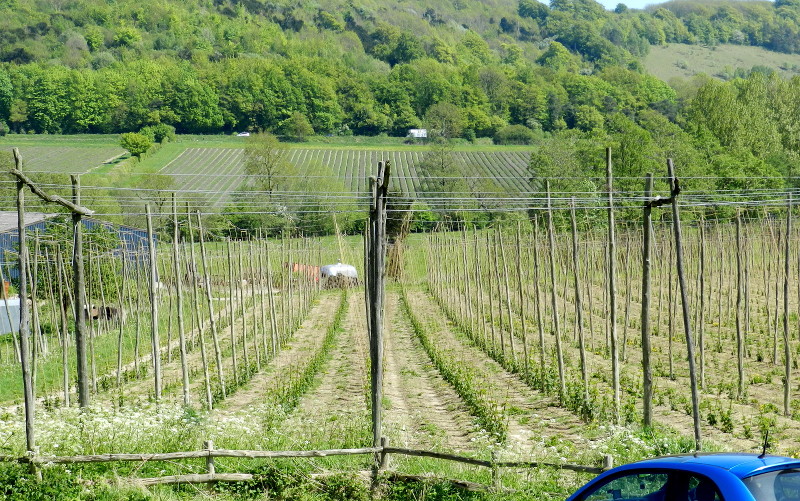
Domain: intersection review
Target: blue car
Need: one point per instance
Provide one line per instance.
(698, 477)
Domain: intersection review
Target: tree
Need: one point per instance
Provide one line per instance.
(533, 9)
(265, 159)
(137, 144)
(159, 133)
(558, 58)
(297, 126)
(445, 120)
(442, 182)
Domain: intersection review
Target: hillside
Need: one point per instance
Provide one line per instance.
(723, 61)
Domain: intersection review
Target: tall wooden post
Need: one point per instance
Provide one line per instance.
(176, 236)
(154, 339)
(24, 328)
(562, 385)
(647, 372)
(787, 352)
(210, 301)
(578, 305)
(80, 297)
(376, 275)
(612, 287)
(687, 324)
(739, 336)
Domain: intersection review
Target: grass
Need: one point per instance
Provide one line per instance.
(684, 61)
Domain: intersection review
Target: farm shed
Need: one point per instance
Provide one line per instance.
(132, 239)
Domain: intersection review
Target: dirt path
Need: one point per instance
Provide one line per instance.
(335, 412)
(305, 342)
(532, 417)
(600, 368)
(171, 371)
(421, 409)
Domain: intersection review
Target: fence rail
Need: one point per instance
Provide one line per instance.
(209, 453)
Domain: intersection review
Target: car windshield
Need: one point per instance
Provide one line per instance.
(781, 485)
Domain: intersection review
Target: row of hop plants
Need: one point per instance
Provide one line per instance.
(246, 372)
(465, 382)
(545, 379)
(288, 394)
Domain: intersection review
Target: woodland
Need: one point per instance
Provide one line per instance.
(565, 76)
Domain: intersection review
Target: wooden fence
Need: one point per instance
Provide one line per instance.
(209, 453)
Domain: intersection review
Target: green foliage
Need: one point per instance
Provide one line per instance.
(265, 160)
(16, 484)
(557, 58)
(285, 481)
(136, 143)
(514, 134)
(433, 490)
(297, 127)
(159, 133)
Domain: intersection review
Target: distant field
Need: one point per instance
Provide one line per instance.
(684, 61)
(215, 172)
(64, 158)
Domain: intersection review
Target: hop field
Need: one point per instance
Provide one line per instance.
(216, 172)
(65, 159)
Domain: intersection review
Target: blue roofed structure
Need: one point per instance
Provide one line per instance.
(132, 240)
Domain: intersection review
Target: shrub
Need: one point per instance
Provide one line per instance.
(159, 133)
(514, 134)
(137, 144)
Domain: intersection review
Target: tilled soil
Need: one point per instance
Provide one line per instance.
(337, 406)
(305, 342)
(532, 416)
(420, 409)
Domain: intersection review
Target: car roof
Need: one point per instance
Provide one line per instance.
(738, 463)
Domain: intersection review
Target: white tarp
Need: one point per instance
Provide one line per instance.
(339, 269)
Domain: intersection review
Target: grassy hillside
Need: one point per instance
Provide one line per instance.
(683, 60)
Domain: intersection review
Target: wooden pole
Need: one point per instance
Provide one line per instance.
(701, 323)
(176, 259)
(154, 338)
(63, 330)
(562, 385)
(242, 311)
(33, 325)
(612, 287)
(377, 222)
(232, 314)
(521, 292)
(647, 372)
(538, 302)
(508, 298)
(210, 299)
(739, 338)
(578, 306)
(787, 352)
(24, 330)
(273, 321)
(93, 324)
(687, 324)
(80, 297)
(198, 323)
(492, 279)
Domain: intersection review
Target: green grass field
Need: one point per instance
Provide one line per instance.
(684, 61)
